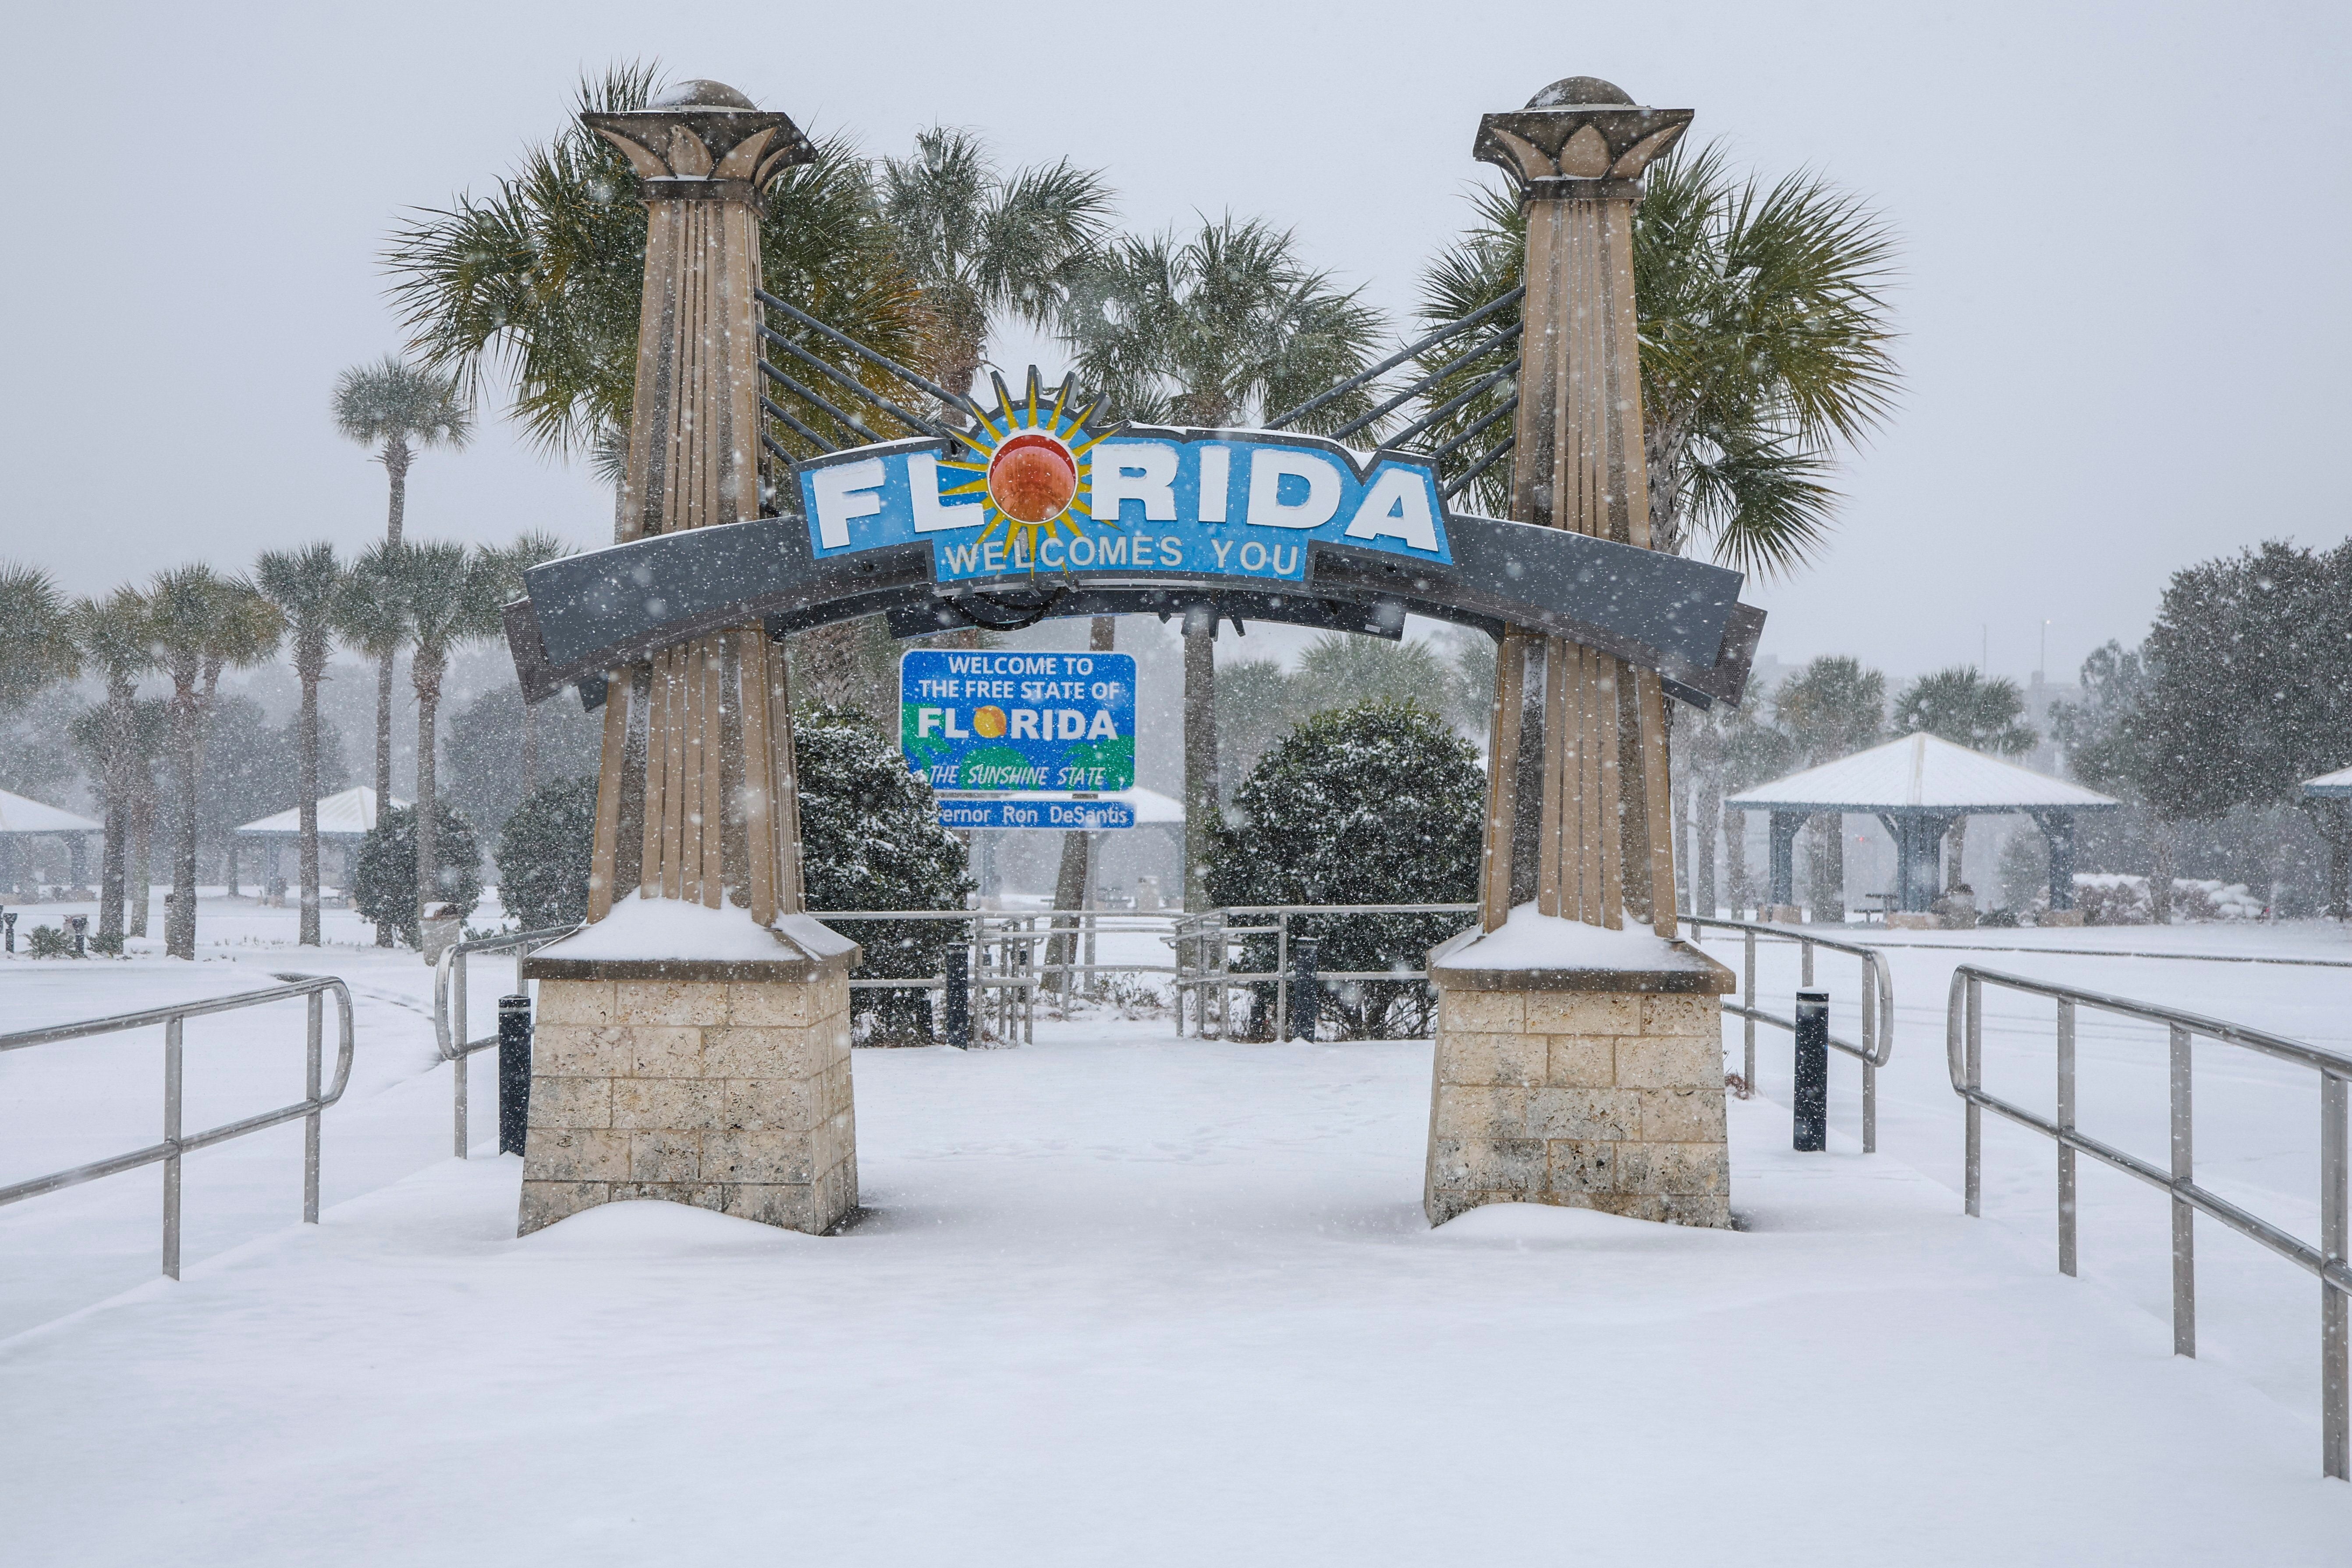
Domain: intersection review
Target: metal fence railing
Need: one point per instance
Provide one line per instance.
(449, 1017)
(1964, 1048)
(1876, 1045)
(1205, 948)
(177, 1143)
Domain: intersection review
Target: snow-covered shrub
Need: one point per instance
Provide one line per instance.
(384, 884)
(544, 851)
(871, 839)
(47, 942)
(1378, 804)
(2112, 898)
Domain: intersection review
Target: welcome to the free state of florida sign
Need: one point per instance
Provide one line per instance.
(1228, 502)
(1018, 718)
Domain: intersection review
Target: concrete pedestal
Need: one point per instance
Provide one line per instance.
(1589, 1088)
(703, 1083)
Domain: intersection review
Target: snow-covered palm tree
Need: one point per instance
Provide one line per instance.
(307, 586)
(112, 634)
(400, 409)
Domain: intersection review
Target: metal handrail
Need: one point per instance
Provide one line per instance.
(1964, 1054)
(1213, 931)
(1876, 1047)
(449, 1003)
(176, 1144)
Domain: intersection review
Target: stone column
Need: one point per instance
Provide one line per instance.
(1574, 1069)
(1577, 152)
(672, 1059)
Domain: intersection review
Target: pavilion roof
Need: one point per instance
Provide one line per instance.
(2338, 783)
(1922, 773)
(19, 814)
(345, 815)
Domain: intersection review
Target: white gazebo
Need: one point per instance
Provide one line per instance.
(344, 819)
(21, 817)
(1918, 787)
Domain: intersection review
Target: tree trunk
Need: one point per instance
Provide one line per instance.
(396, 465)
(425, 670)
(1956, 854)
(179, 924)
(1071, 880)
(530, 750)
(384, 731)
(2165, 848)
(142, 890)
(120, 695)
(230, 854)
(307, 935)
(1710, 823)
(1200, 785)
(1735, 861)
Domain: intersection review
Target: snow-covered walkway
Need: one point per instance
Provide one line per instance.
(1124, 1297)
(1144, 1301)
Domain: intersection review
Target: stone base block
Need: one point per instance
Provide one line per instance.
(731, 1095)
(1609, 1100)
(2060, 917)
(1902, 919)
(1780, 914)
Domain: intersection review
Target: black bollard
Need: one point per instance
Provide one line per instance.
(9, 926)
(78, 927)
(514, 1072)
(1811, 1102)
(956, 1024)
(1306, 993)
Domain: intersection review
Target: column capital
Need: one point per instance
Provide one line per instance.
(703, 141)
(1580, 137)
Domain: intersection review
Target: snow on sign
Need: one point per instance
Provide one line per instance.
(1040, 490)
(1018, 721)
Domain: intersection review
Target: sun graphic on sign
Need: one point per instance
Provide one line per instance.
(1031, 461)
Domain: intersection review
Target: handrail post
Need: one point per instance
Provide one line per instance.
(1869, 1054)
(2066, 1188)
(171, 1038)
(1806, 977)
(1748, 1059)
(1282, 976)
(1972, 1073)
(2335, 1388)
(459, 1098)
(2184, 1216)
(314, 1026)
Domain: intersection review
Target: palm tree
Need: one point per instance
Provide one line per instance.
(373, 621)
(505, 568)
(546, 273)
(1961, 706)
(983, 244)
(1218, 329)
(451, 597)
(308, 587)
(400, 408)
(200, 624)
(1764, 345)
(36, 643)
(112, 634)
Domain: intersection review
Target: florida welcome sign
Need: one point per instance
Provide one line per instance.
(1042, 490)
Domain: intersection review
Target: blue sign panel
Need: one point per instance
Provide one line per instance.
(1018, 720)
(1234, 503)
(1083, 816)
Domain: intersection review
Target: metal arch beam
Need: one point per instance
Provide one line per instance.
(585, 614)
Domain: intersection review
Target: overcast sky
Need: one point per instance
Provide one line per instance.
(2123, 308)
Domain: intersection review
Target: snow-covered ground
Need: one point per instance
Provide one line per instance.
(1125, 1297)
